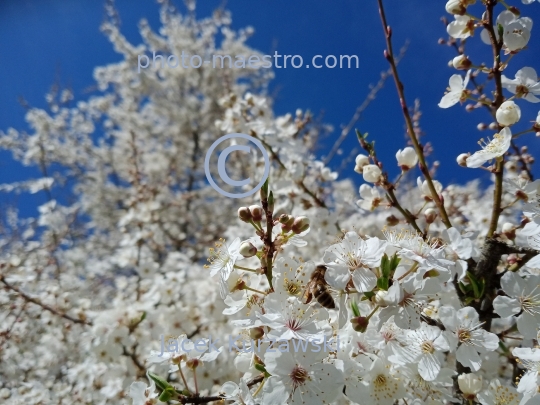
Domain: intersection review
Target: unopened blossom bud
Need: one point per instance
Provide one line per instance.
(360, 323)
(284, 218)
(300, 225)
(193, 363)
(537, 123)
(455, 7)
(509, 230)
(372, 173)
(430, 214)
(508, 114)
(392, 220)
(247, 249)
(244, 214)
(406, 158)
(470, 384)
(493, 126)
(256, 333)
(462, 159)
(461, 62)
(470, 107)
(360, 162)
(441, 41)
(511, 166)
(481, 126)
(256, 213)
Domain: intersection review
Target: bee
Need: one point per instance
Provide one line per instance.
(318, 288)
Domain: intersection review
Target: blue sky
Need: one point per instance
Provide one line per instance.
(42, 41)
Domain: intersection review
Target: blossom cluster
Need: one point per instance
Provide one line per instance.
(423, 293)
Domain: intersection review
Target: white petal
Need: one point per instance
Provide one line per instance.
(364, 280)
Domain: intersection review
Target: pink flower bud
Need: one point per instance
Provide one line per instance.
(244, 214)
(256, 213)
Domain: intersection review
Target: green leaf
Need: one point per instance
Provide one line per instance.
(167, 395)
(500, 30)
(354, 307)
(369, 294)
(474, 284)
(160, 382)
(383, 283)
(464, 288)
(262, 369)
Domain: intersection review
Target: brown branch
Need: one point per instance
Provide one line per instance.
(46, 307)
(389, 54)
(369, 98)
(205, 400)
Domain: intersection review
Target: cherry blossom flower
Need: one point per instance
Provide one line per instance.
(462, 27)
(457, 90)
(222, 259)
(371, 198)
(143, 394)
(239, 393)
(352, 259)
(496, 394)
(424, 347)
(380, 385)
(525, 85)
(300, 377)
(293, 320)
(523, 297)
(528, 383)
(492, 149)
(465, 331)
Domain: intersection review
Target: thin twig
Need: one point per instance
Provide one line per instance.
(389, 54)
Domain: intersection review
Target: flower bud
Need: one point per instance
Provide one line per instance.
(256, 333)
(360, 162)
(462, 159)
(493, 126)
(300, 225)
(509, 230)
(284, 219)
(508, 114)
(360, 323)
(430, 214)
(470, 384)
(372, 173)
(455, 7)
(461, 62)
(392, 220)
(247, 249)
(193, 363)
(406, 158)
(256, 212)
(481, 126)
(244, 214)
